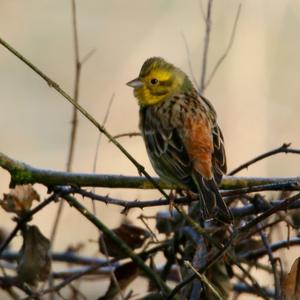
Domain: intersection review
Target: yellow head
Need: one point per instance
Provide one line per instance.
(158, 80)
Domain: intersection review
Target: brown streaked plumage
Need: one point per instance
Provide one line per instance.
(183, 140)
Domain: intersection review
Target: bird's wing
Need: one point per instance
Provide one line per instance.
(219, 157)
(198, 141)
(203, 141)
(205, 125)
(181, 151)
(166, 149)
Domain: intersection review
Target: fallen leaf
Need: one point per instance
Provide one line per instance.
(19, 200)
(291, 282)
(34, 260)
(133, 236)
(124, 275)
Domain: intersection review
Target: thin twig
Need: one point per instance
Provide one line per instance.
(119, 243)
(283, 205)
(140, 168)
(67, 281)
(112, 273)
(224, 55)
(74, 124)
(127, 204)
(284, 148)
(188, 54)
(272, 261)
(206, 46)
(128, 134)
(66, 257)
(25, 218)
(204, 279)
(76, 88)
(100, 135)
(87, 56)
(209, 263)
(288, 186)
(202, 10)
(231, 257)
(242, 288)
(258, 253)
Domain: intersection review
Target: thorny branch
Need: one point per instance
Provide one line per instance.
(206, 46)
(224, 55)
(27, 217)
(51, 83)
(284, 148)
(22, 173)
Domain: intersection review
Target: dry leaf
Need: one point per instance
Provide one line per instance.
(124, 274)
(246, 245)
(34, 260)
(133, 236)
(295, 215)
(19, 200)
(291, 282)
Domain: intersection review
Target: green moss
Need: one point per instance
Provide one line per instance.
(19, 176)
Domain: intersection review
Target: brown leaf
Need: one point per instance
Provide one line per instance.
(19, 199)
(291, 282)
(246, 245)
(3, 235)
(124, 274)
(133, 236)
(295, 215)
(34, 260)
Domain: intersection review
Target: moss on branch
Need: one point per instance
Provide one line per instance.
(22, 173)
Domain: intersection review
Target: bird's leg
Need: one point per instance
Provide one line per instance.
(192, 195)
(172, 197)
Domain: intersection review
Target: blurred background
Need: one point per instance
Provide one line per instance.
(255, 92)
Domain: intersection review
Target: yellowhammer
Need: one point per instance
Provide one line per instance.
(182, 137)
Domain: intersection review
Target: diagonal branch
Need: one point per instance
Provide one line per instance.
(119, 243)
(224, 55)
(51, 83)
(206, 45)
(284, 148)
(24, 219)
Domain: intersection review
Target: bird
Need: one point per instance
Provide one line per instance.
(182, 138)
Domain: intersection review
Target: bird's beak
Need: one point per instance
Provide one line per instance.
(135, 83)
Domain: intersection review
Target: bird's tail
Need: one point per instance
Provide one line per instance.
(211, 202)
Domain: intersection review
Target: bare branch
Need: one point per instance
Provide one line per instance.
(256, 254)
(224, 55)
(99, 135)
(22, 173)
(128, 134)
(284, 148)
(272, 261)
(188, 54)
(76, 89)
(51, 83)
(120, 243)
(24, 219)
(206, 46)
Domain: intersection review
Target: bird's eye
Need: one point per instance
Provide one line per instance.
(154, 81)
